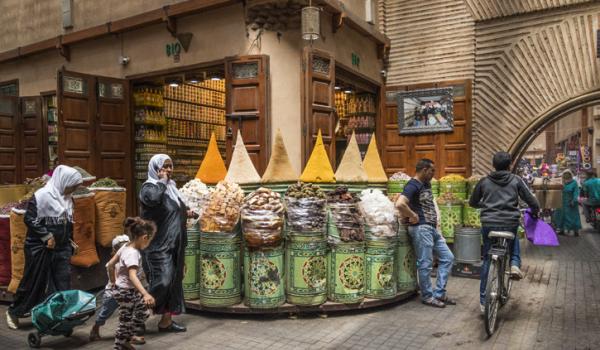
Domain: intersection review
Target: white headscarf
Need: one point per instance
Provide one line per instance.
(53, 205)
(154, 166)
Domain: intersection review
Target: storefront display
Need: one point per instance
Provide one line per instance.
(357, 113)
(52, 126)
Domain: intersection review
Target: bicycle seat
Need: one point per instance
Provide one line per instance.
(502, 234)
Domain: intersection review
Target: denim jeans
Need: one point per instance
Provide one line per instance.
(427, 240)
(109, 306)
(515, 255)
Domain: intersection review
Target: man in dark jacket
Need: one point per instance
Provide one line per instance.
(497, 195)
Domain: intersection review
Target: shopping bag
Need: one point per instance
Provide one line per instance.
(539, 232)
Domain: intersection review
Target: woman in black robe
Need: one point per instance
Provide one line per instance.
(48, 249)
(163, 260)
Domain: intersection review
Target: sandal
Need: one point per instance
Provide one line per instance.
(447, 300)
(434, 303)
(137, 340)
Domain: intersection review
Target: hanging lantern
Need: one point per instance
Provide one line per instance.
(311, 26)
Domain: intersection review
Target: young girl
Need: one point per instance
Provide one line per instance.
(130, 293)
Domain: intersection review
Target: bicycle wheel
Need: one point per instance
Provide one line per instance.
(491, 298)
(507, 282)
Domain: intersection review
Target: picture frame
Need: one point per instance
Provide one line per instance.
(425, 111)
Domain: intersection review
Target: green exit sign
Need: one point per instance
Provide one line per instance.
(355, 60)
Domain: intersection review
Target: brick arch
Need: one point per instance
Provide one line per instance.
(527, 136)
(527, 70)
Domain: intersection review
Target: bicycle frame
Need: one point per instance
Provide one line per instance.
(499, 255)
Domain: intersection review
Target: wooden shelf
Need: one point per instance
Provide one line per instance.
(194, 103)
(205, 88)
(363, 114)
(195, 121)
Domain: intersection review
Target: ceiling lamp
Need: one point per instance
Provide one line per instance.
(348, 90)
(311, 24)
(173, 81)
(194, 78)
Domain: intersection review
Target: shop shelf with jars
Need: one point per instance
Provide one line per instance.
(150, 117)
(150, 97)
(52, 127)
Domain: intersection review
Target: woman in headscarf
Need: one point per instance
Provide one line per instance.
(570, 219)
(164, 258)
(48, 248)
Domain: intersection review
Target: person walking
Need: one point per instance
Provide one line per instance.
(416, 203)
(570, 219)
(132, 297)
(163, 260)
(48, 244)
(497, 195)
(591, 194)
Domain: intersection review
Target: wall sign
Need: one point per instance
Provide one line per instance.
(355, 60)
(174, 50)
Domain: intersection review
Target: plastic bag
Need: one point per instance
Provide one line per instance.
(222, 212)
(539, 232)
(379, 213)
(348, 221)
(305, 214)
(196, 195)
(262, 218)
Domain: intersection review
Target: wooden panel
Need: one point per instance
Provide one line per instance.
(318, 102)
(488, 9)
(10, 168)
(114, 135)
(451, 152)
(32, 133)
(247, 107)
(76, 122)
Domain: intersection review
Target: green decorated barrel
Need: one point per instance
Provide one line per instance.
(353, 187)
(435, 188)
(220, 267)
(458, 188)
(380, 277)
(264, 277)
(451, 216)
(191, 283)
(306, 268)
(346, 272)
(471, 217)
(327, 187)
(406, 262)
(396, 186)
(249, 188)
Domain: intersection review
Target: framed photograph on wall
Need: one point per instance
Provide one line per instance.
(425, 111)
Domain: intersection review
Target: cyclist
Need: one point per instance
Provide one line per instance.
(497, 195)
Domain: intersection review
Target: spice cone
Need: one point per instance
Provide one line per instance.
(318, 168)
(241, 169)
(280, 168)
(351, 168)
(212, 170)
(372, 164)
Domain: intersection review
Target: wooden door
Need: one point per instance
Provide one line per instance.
(318, 102)
(76, 121)
(451, 152)
(113, 134)
(10, 158)
(32, 137)
(247, 107)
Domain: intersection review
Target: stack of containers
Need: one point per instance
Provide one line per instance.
(306, 245)
(406, 262)
(381, 233)
(396, 183)
(451, 216)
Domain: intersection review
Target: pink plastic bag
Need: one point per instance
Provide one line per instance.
(539, 232)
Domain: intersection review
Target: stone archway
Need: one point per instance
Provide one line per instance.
(530, 70)
(528, 135)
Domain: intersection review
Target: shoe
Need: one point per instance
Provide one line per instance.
(515, 272)
(434, 303)
(172, 328)
(94, 336)
(482, 308)
(12, 321)
(140, 332)
(136, 340)
(447, 300)
(576, 233)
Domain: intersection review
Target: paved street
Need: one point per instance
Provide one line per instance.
(557, 306)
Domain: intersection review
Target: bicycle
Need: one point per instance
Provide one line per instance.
(499, 281)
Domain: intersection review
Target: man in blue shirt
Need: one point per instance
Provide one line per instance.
(416, 204)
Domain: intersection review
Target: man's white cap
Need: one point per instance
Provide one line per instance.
(120, 239)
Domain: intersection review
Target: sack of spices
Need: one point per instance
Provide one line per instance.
(18, 233)
(222, 211)
(379, 213)
(84, 230)
(262, 218)
(305, 208)
(4, 249)
(111, 206)
(345, 216)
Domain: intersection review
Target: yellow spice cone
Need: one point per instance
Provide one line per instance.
(351, 168)
(372, 164)
(318, 168)
(241, 169)
(280, 168)
(212, 170)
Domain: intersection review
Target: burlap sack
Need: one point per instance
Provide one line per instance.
(18, 233)
(111, 206)
(4, 250)
(84, 230)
